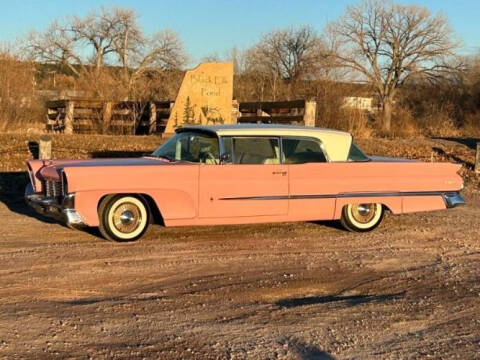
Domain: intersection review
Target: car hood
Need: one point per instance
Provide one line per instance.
(51, 169)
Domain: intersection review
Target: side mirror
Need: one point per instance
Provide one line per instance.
(225, 158)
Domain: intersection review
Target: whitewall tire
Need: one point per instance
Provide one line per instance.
(362, 217)
(123, 217)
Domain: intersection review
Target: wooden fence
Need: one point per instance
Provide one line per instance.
(295, 112)
(86, 116)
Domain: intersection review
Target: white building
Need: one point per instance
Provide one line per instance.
(358, 102)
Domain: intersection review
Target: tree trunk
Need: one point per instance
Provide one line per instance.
(152, 118)
(387, 114)
(124, 55)
(99, 61)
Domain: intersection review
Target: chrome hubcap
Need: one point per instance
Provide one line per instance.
(363, 213)
(127, 218)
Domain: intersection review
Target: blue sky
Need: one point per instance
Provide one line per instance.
(213, 26)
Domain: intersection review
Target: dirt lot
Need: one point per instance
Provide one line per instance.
(410, 289)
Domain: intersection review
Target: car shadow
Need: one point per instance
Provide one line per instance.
(334, 224)
(346, 300)
(12, 191)
(118, 154)
(470, 142)
(453, 158)
(305, 351)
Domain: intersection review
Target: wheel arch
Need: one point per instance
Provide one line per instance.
(392, 204)
(152, 206)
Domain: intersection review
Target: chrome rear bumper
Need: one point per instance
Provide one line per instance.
(453, 199)
(51, 207)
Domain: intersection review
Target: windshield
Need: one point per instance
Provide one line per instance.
(355, 154)
(191, 147)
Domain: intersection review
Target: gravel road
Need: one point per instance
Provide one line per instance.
(408, 290)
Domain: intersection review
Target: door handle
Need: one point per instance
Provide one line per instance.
(283, 173)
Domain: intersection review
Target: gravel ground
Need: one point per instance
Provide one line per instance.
(410, 289)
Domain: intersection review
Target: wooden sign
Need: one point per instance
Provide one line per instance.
(205, 97)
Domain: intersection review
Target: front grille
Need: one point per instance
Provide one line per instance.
(53, 188)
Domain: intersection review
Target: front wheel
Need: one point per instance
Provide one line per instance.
(361, 217)
(123, 218)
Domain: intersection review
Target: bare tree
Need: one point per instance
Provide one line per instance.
(264, 73)
(101, 30)
(388, 43)
(55, 46)
(163, 51)
(112, 36)
(128, 36)
(291, 53)
(213, 57)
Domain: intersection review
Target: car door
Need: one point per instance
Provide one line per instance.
(311, 196)
(251, 181)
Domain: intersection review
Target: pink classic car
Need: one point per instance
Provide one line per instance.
(235, 174)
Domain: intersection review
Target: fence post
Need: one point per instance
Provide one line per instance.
(235, 111)
(310, 113)
(106, 116)
(69, 108)
(152, 121)
(477, 159)
(45, 148)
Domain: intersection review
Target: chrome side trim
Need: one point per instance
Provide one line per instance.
(349, 195)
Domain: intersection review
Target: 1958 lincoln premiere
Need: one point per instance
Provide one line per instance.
(233, 174)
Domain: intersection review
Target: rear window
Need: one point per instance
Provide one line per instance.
(302, 151)
(255, 150)
(355, 154)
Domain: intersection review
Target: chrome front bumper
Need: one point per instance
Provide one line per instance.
(453, 199)
(51, 207)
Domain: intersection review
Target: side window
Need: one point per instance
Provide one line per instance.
(255, 150)
(192, 147)
(302, 151)
(207, 149)
(355, 154)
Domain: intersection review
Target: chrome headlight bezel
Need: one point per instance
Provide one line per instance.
(64, 183)
(31, 176)
(68, 201)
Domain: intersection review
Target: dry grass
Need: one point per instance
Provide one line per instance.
(14, 147)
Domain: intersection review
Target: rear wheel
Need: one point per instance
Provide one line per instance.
(361, 217)
(123, 218)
